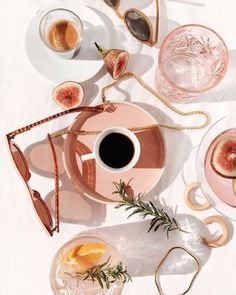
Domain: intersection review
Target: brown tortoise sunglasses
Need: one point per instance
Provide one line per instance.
(138, 23)
(23, 168)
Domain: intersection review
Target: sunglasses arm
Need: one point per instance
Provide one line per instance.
(56, 172)
(12, 134)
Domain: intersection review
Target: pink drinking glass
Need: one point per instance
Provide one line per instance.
(192, 60)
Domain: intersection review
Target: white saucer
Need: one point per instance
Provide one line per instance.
(86, 64)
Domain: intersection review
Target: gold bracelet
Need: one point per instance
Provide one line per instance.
(159, 266)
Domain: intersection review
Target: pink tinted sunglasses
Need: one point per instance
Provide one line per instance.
(23, 168)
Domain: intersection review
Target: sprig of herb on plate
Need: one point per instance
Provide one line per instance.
(104, 274)
(160, 219)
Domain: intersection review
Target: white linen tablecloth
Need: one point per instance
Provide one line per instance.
(26, 251)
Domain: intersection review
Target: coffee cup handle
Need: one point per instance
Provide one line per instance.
(87, 157)
(40, 13)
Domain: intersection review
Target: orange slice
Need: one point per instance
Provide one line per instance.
(93, 248)
(72, 254)
(85, 256)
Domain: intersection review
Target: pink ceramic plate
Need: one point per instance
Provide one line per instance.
(221, 186)
(217, 189)
(94, 181)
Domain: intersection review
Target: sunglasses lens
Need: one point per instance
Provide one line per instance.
(138, 25)
(42, 211)
(20, 161)
(111, 3)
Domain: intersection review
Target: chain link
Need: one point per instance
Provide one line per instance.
(71, 132)
(163, 101)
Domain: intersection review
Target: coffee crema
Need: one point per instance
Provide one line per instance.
(63, 35)
(116, 150)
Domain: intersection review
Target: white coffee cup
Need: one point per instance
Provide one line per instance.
(96, 155)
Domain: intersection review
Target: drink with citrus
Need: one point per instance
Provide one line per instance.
(88, 266)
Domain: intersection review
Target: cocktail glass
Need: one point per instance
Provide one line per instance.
(62, 277)
(192, 60)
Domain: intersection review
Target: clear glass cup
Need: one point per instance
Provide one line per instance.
(61, 274)
(192, 60)
(61, 30)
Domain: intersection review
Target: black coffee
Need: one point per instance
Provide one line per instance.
(116, 150)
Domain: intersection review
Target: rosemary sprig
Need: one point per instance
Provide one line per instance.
(104, 274)
(160, 218)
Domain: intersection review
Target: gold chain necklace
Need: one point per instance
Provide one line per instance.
(142, 128)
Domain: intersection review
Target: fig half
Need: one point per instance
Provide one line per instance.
(223, 159)
(68, 95)
(115, 60)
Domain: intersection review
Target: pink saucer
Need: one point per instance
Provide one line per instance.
(221, 186)
(217, 189)
(94, 181)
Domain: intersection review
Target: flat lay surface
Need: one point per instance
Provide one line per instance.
(28, 75)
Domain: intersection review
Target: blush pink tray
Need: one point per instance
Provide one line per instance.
(95, 182)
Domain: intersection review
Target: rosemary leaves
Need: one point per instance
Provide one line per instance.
(160, 219)
(104, 274)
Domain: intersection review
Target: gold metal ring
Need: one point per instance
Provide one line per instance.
(222, 239)
(159, 288)
(188, 199)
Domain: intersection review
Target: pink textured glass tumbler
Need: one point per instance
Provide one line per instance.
(192, 60)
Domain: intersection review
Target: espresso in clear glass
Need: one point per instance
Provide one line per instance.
(116, 150)
(63, 35)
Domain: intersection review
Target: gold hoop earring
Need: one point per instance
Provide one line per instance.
(187, 197)
(223, 239)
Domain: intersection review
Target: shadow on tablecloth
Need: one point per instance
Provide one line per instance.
(142, 251)
(74, 207)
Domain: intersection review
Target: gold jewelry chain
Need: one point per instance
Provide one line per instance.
(162, 100)
(153, 92)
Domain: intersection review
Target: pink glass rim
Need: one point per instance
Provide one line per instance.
(189, 89)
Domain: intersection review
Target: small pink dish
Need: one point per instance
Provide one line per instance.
(96, 182)
(217, 189)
